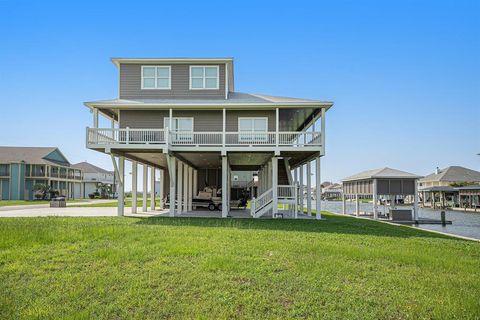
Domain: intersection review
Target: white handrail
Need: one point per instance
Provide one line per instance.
(286, 191)
(105, 136)
(109, 136)
(258, 203)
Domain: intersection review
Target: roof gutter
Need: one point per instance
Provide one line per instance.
(117, 61)
(211, 105)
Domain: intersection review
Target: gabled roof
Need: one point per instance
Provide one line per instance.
(90, 168)
(382, 173)
(234, 99)
(454, 174)
(32, 155)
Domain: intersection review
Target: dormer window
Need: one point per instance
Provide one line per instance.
(204, 77)
(156, 77)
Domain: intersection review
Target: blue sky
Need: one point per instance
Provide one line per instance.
(404, 75)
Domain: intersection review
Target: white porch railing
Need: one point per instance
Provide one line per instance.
(287, 192)
(196, 138)
(108, 136)
(125, 136)
(249, 138)
(299, 139)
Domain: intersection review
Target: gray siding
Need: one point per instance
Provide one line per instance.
(142, 119)
(206, 120)
(203, 120)
(233, 115)
(131, 77)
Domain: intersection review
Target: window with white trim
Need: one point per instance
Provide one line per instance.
(204, 77)
(182, 128)
(253, 129)
(156, 77)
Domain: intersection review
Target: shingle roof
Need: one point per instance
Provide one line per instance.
(90, 168)
(33, 155)
(234, 98)
(382, 173)
(454, 174)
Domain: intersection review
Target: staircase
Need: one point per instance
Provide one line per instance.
(262, 205)
(283, 178)
(287, 193)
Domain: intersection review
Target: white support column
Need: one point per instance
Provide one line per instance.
(145, 188)
(269, 175)
(152, 188)
(195, 183)
(190, 188)
(309, 189)
(229, 190)
(415, 202)
(357, 205)
(134, 186)
(375, 199)
(224, 186)
(224, 124)
(344, 208)
(318, 189)
(172, 170)
(95, 118)
(185, 188)
(323, 131)
(179, 187)
(277, 126)
(301, 194)
(121, 186)
(274, 186)
(160, 191)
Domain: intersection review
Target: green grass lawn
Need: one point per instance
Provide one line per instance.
(4, 203)
(340, 268)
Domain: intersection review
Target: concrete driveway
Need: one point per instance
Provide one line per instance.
(31, 211)
(46, 205)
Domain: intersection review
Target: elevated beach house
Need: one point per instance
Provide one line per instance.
(183, 118)
(21, 168)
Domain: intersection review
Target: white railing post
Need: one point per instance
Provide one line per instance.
(127, 135)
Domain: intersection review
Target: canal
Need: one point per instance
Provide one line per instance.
(463, 223)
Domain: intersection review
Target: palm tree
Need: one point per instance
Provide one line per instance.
(104, 189)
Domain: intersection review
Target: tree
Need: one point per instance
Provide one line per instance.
(43, 189)
(104, 189)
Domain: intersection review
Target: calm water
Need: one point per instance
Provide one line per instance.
(463, 223)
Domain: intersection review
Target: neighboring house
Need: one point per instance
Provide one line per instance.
(92, 175)
(23, 167)
(440, 187)
(332, 191)
(450, 175)
(182, 116)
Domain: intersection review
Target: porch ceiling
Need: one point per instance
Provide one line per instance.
(152, 158)
(205, 160)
